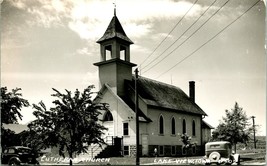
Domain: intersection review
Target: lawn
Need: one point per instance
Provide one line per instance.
(252, 155)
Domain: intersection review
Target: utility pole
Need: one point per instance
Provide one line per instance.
(254, 131)
(137, 118)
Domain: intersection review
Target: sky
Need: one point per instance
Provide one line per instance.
(219, 44)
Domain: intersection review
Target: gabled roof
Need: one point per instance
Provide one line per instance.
(162, 95)
(206, 125)
(114, 30)
(129, 104)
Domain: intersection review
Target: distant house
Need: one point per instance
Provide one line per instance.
(206, 132)
(166, 111)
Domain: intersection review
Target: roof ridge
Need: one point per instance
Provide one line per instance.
(159, 82)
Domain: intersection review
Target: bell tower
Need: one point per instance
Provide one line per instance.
(115, 66)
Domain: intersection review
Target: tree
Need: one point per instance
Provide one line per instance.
(234, 127)
(11, 105)
(9, 138)
(69, 125)
(186, 140)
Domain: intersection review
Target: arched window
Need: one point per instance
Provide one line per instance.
(184, 126)
(193, 128)
(161, 125)
(173, 126)
(108, 117)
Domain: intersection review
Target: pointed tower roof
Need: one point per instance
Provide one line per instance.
(114, 30)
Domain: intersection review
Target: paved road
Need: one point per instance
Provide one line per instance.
(253, 163)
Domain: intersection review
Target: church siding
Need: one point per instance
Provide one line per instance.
(153, 127)
(121, 114)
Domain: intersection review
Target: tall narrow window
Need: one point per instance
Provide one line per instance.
(193, 128)
(173, 126)
(183, 150)
(194, 149)
(108, 52)
(122, 53)
(161, 125)
(173, 150)
(126, 150)
(161, 150)
(184, 126)
(108, 116)
(125, 129)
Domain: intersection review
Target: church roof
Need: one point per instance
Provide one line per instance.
(206, 125)
(114, 30)
(162, 95)
(127, 101)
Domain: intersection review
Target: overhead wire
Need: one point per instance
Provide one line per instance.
(187, 37)
(180, 35)
(168, 34)
(209, 40)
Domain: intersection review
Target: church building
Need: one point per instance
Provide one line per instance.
(165, 111)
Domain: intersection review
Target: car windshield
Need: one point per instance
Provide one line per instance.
(24, 150)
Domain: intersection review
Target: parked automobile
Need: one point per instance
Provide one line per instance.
(220, 152)
(17, 155)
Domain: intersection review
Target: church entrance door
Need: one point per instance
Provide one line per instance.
(109, 133)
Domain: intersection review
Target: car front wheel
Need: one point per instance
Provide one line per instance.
(14, 161)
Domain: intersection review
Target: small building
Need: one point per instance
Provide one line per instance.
(206, 132)
(165, 110)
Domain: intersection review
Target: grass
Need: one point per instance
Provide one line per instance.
(252, 155)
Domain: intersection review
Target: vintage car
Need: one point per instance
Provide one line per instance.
(220, 153)
(17, 155)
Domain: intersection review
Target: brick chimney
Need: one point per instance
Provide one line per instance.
(192, 90)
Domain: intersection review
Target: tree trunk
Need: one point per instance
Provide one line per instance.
(70, 154)
(235, 147)
(70, 161)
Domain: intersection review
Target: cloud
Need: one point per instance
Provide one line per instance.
(137, 20)
(85, 51)
(154, 9)
(88, 31)
(89, 18)
(137, 30)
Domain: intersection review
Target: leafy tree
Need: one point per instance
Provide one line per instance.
(69, 125)
(234, 127)
(9, 138)
(187, 144)
(11, 105)
(186, 139)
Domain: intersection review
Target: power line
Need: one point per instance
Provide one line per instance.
(209, 40)
(169, 32)
(187, 37)
(181, 34)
